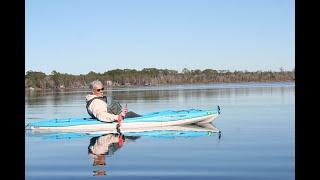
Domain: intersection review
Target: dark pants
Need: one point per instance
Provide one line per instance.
(131, 114)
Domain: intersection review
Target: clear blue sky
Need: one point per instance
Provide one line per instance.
(79, 36)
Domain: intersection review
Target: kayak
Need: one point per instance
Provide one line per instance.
(154, 119)
(156, 132)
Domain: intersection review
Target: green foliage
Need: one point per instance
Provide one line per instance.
(151, 76)
(35, 79)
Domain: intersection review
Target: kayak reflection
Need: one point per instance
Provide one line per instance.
(191, 130)
(104, 144)
(107, 144)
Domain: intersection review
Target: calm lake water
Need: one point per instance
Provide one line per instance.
(257, 140)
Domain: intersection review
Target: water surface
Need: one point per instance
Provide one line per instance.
(256, 142)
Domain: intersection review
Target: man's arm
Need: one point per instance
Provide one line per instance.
(99, 110)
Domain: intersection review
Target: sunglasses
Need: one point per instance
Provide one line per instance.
(98, 90)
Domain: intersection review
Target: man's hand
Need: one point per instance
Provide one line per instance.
(124, 111)
(123, 114)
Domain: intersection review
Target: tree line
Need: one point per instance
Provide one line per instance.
(150, 76)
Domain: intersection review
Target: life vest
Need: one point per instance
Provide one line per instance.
(113, 108)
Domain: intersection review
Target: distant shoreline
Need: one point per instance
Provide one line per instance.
(137, 87)
(150, 77)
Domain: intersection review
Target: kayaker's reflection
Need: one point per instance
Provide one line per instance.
(105, 145)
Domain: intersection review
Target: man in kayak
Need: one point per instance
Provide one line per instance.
(98, 108)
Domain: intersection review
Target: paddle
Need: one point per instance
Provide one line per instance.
(120, 118)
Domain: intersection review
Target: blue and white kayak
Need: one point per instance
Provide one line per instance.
(155, 119)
